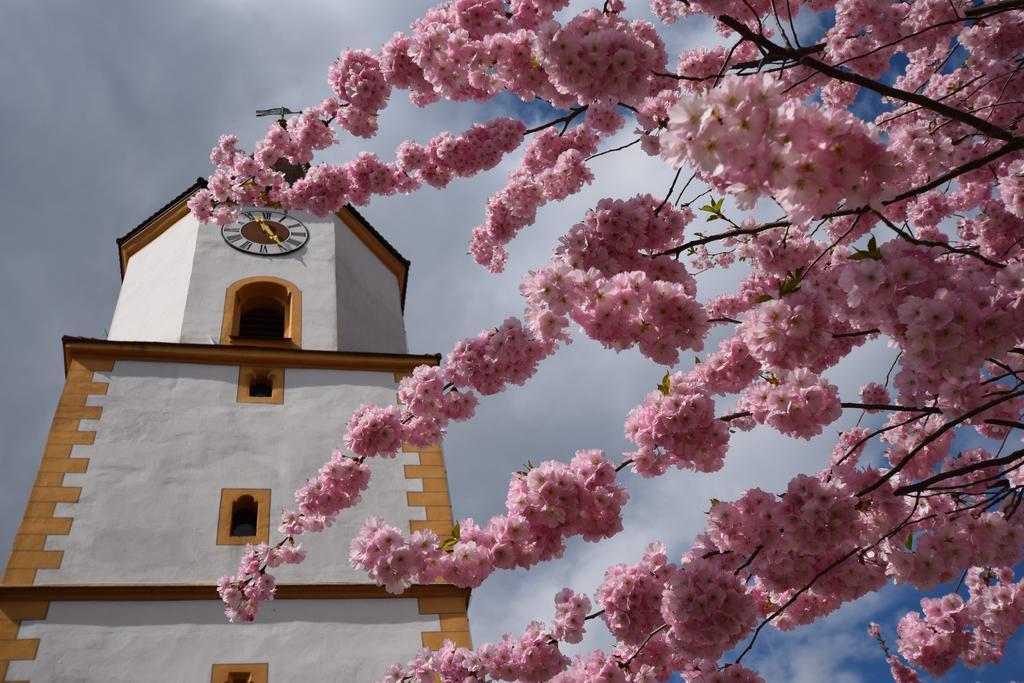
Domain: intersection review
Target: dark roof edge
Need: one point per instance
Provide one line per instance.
(387, 245)
(199, 184)
(379, 236)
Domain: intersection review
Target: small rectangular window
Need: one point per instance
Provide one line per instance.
(244, 516)
(260, 385)
(239, 673)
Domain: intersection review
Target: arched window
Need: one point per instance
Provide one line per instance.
(239, 673)
(260, 385)
(243, 516)
(262, 311)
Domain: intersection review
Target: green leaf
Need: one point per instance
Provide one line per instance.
(666, 384)
(449, 543)
(714, 207)
(908, 542)
(788, 286)
(764, 297)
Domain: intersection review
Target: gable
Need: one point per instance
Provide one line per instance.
(172, 212)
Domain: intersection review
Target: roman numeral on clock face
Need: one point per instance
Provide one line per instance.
(251, 233)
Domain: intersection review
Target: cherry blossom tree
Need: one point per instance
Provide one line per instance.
(908, 227)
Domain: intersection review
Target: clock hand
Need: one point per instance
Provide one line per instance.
(267, 229)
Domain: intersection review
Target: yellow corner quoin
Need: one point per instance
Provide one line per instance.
(29, 553)
(12, 614)
(452, 611)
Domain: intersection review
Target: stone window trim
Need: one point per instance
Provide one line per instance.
(239, 673)
(248, 376)
(249, 292)
(228, 497)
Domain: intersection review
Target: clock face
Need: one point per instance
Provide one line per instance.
(265, 232)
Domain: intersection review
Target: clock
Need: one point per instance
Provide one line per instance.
(265, 232)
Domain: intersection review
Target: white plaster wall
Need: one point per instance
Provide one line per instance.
(172, 436)
(301, 640)
(151, 304)
(217, 265)
(369, 299)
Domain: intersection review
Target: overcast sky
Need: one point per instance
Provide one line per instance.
(110, 110)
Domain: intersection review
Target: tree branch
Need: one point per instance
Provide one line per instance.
(981, 11)
(886, 406)
(966, 469)
(567, 119)
(935, 435)
(772, 48)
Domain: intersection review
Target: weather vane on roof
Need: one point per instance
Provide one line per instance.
(280, 112)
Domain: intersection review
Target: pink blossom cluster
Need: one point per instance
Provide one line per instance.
(531, 657)
(244, 180)
(798, 403)
(622, 57)
(984, 539)
(553, 168)
(546, 505)
(374, 430)
(947, 317)
(571, 610)
(358, 82)
(677, 428)
(631, 595)
(736, 673)
(974, 631)
(797, 330)
(507, 354)
(607, 277)
(337, 486)
(243, 593)
(874, 393)
(707, 609)
(390, 559)
(747, 139)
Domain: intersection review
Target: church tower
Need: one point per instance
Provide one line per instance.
(234, 359)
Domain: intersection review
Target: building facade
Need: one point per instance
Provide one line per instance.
(234, 359)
